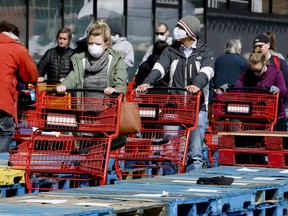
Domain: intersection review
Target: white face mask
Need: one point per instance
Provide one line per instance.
(95, 50)
(179, 33)
(161, 38)
(115, 38)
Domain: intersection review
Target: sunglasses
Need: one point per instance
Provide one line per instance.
(257, 71)
(258, 46)
(160, 33)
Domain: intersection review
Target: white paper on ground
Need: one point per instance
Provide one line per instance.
(267, 178)
(94, 204)
(164, 194)
(202, 190)
(284, 171)
(245, 169)
(44, 201)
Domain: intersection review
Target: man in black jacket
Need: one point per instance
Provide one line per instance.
(191, 65)
(56, 61)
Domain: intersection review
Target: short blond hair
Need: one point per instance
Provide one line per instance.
(256, 58)
(100, 27)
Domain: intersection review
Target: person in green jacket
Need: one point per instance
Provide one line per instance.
(99, 67)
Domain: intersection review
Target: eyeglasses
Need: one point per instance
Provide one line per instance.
(258, 46)
(160, 33)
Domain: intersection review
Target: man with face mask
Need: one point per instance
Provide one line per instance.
(162, 34)
(191, 66)
(122, 45)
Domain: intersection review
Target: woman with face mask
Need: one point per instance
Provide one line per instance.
(100, 67)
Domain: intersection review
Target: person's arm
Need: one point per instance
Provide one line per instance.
(73, 79)
(206, 72)
(240, 81)
(280, 83)
(284, 70)
(119, 80)
(27, 69)
(129, 57)
(147, 54)
(42, 64)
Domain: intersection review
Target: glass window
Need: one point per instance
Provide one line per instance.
(14, 12)
(77, 16)
(140, 28)
(232, 4)
(113, 12)
(217, 3)
(45, 21)
(195, 8)
(168, 16)
(239, 5)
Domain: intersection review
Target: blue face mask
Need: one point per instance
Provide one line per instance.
(179, 33)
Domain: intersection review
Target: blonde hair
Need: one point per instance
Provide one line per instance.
(256, 58)
(272, 39)
(100, 27)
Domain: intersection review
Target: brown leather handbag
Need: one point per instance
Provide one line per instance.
(130, 120)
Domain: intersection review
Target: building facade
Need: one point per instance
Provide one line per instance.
(39, 20)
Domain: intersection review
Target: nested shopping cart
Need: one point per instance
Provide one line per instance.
(242, 109)
(158, 148)
(27, 99)
(73, 139)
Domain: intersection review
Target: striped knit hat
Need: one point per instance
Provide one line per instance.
(191, 25)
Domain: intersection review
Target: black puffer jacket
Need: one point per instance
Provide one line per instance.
(55, 63)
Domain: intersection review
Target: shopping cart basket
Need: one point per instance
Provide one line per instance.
(149, 154)
(77, 113)
(156, 149)
(236, 110)
(175, 107)
(62, 155)
(94, 121)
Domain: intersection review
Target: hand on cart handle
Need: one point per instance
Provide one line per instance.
(109, 91)
(192, 89)
(224, 87)
(40, 79)
(142, 87)
(274, 89)
(61, 89)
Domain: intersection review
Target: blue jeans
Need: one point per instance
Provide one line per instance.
(194, 155)
(7, 129)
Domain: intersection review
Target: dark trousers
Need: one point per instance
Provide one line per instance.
(7, 129)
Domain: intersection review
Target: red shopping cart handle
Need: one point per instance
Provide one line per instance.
(168, 89)
(249, 89)
(81, 90)
(54, 91)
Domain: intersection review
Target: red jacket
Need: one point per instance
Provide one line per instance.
(16, 65)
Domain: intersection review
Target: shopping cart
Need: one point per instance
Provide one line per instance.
(71, 139)
(171, 106)
(242, 109)
(27, 99)
(158, 148)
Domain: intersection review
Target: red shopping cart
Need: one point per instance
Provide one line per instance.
(27, 100)
(173, 106)
(254, 109)
(85, 154)
(158, 148)
(149, 154)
